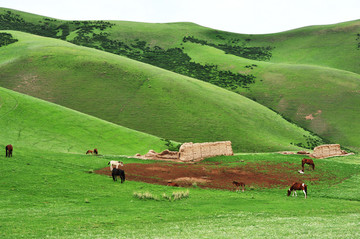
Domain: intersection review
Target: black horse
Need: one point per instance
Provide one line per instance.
(118, 172)
(9, 149)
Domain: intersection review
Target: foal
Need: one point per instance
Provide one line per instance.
(238, 184)
(8, 149)
(298, 186)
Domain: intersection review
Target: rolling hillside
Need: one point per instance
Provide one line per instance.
(322, 99)
(309, 75)
(51, 189)
(140, 96)
(34, 124)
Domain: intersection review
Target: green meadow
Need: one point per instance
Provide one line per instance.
(57, 195)
(123, 87)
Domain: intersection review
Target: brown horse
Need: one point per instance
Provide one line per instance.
(298, 186)
(238, 184)
(8, 149)
(89, 152)
(96, 151)
(307, 161)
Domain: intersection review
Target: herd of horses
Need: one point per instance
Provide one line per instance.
(116, 172)
(296, 186)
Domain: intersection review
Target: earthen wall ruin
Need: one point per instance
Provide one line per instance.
(198, 151)
(192, 152)
(328, 150)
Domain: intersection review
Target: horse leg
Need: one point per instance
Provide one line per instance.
(305, 193)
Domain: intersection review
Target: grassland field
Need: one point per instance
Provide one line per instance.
(57, 195)
(49, 188)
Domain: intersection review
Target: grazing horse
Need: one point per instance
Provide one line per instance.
(238, 184)
(8, 149)
(307, 161)
(172, 184)
(116, 163)
(118, 172)
(298, 186)
(96, 151)
(89, 152)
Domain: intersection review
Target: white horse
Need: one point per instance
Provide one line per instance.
(116, 163)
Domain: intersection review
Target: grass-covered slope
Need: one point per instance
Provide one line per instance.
(140, 96)
(55, 195)
(27, 122)
(315, 69)
(322, 99)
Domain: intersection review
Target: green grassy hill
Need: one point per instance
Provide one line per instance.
(322, 99)
(140, 96)
(33, 124)
(309, 75)
(49, 188)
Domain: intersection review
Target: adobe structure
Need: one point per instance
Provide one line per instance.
(328, 150)
(192, 152)
(198, 151)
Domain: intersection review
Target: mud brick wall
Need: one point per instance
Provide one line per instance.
(327, 150)
(198, 151)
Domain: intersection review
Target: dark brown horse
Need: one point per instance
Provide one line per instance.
(307, 161)
(89, 152)
(238, 184)
(118, 172)
(8, 148)
(96, 151)
(298, 186)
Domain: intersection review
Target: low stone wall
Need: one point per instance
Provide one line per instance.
(199, 151)
(328, 150)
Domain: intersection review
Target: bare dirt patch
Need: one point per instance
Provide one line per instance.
(215, 175)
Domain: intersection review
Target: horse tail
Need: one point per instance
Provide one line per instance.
(305, 188)
(108, 163)
(313, 166)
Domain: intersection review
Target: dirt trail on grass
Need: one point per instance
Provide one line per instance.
(215, 175)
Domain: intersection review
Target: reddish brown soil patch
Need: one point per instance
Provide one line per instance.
(214, 175)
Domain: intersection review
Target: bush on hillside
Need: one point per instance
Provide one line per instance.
(254, 53)
(6, 39)
(171, 146)
(173, 59)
